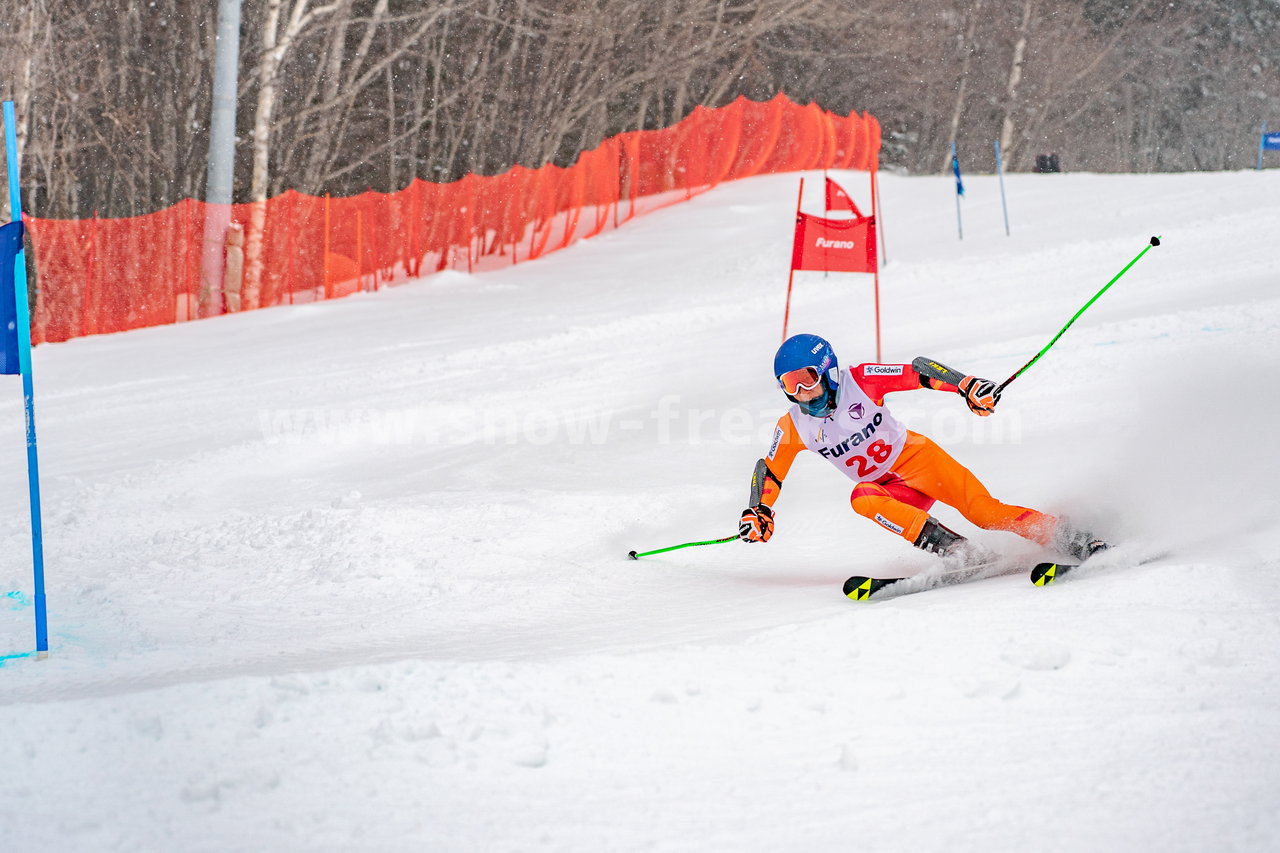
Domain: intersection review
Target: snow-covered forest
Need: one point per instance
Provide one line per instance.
(346, 95)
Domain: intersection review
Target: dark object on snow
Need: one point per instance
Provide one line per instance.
(1047, 163)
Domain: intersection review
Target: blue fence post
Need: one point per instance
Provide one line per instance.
(28, 391)
(1262, 143)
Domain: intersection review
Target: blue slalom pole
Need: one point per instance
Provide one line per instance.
(1000, 172)
(1262, 143)
(955, 167)
(28, 391)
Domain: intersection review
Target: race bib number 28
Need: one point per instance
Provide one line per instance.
(877, 453)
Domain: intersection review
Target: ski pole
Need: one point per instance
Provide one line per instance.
(633, 555)
(1155, 241)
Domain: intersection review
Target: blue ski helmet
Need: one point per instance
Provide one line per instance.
(799, 351)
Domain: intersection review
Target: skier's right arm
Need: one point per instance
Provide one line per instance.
(783, 449)
(756, 524)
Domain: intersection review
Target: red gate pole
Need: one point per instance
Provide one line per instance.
(875, 220)
(875, 211)
(877, 311)
(786, 314)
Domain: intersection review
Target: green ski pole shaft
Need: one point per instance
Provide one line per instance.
(1155, 241)
(633, 555)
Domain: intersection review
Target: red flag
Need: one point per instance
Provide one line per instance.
(839, 245)
(838, 199)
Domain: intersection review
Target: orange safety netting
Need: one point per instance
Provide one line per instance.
(107, 275)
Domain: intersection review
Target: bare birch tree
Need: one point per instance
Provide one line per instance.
(1015, 77)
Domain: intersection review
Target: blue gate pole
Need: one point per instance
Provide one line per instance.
(1262, 143)
(28, 391)
(1003, 205)
(955, 165)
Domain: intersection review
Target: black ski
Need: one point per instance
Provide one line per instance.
(861, 587)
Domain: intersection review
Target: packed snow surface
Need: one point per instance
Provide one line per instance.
(353, 575)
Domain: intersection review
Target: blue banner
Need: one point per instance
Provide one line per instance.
(1271, 141)
(10, 246)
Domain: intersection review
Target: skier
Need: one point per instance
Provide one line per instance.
(899, 474)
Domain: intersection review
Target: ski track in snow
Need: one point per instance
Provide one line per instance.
(353, 575)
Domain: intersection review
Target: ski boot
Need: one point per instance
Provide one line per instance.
(936, 538)
(958, 552)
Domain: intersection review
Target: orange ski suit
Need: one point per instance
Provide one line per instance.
(922, 474)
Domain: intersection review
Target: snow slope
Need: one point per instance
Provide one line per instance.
(352, 575)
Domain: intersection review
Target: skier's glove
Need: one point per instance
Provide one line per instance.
(756, 524)
(980, 395)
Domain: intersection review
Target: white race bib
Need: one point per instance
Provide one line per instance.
(860, 438)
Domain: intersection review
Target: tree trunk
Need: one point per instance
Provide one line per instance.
(274, 47)
(968, 48)
(1007, 143)
(268, 62)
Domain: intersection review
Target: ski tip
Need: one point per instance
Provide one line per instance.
(860, 588)
(631, 554)
(1046, 573)
(1155, 241)
(857, 588)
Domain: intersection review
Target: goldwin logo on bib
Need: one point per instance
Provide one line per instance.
(882, 370)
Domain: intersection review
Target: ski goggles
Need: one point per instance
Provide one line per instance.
(802, 379)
